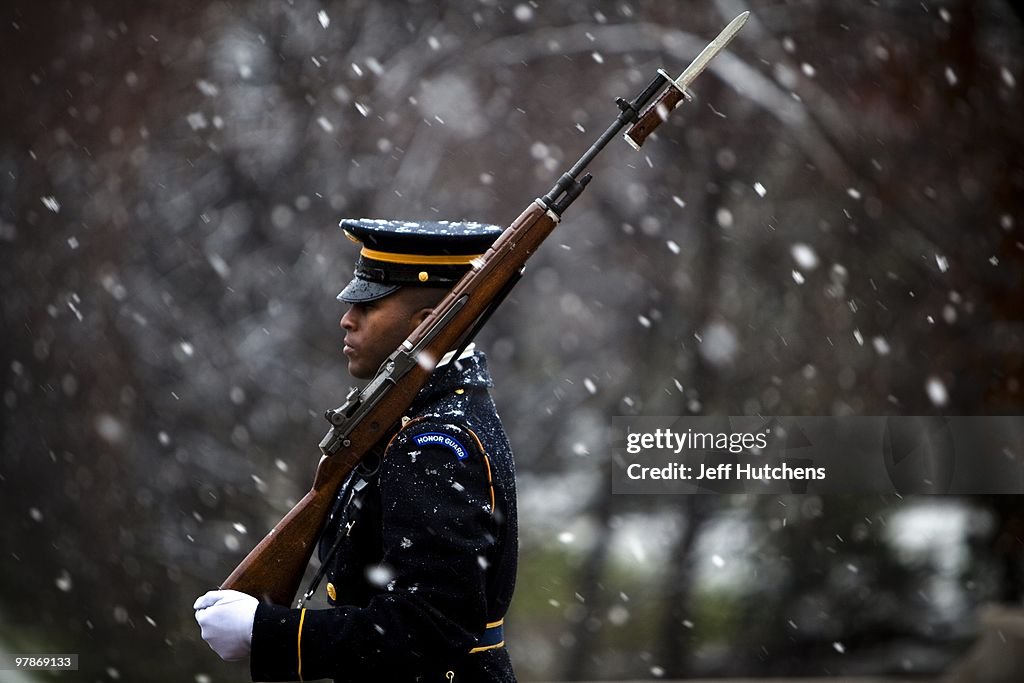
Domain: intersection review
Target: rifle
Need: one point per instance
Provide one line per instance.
(363, 424)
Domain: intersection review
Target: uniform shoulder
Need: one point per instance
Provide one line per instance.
(438, 432)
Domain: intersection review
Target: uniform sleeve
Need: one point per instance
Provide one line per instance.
(438, 528)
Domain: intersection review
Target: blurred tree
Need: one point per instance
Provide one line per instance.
(832, 227)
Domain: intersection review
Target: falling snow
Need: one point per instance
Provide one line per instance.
(523, 13)
(1008, 78)
(805, 256)
(724, 217)
(379, 575)
(936, 391)
(64, 582)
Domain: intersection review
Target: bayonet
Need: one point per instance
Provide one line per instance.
(678, 91)
(708, 53)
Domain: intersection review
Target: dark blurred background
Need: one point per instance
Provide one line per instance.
(832, 227)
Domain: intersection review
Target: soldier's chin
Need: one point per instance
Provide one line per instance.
(356, 369)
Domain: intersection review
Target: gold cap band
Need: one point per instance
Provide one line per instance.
(418, 259)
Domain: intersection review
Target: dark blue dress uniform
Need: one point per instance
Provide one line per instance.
(420, 551)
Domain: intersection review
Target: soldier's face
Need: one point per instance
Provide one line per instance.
(376, 328)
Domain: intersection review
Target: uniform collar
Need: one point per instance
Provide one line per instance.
(470, 370)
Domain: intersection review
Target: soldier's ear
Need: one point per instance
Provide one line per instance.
(420, 315)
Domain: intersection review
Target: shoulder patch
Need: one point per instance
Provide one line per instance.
(444, 440)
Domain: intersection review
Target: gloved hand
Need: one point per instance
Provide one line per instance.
(226, 620)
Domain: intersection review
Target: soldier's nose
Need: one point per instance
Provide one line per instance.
(347, 321)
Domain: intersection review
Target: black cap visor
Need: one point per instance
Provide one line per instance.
(360, 291)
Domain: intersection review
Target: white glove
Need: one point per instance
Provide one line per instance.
(226, 620)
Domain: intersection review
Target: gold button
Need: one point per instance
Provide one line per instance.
(331, 593)
(460, 391)
(423, 276)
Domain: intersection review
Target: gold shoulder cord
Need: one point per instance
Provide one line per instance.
(298, 647)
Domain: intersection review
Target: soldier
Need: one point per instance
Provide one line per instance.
(420, 549)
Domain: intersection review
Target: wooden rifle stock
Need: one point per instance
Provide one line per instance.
(274, 568)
